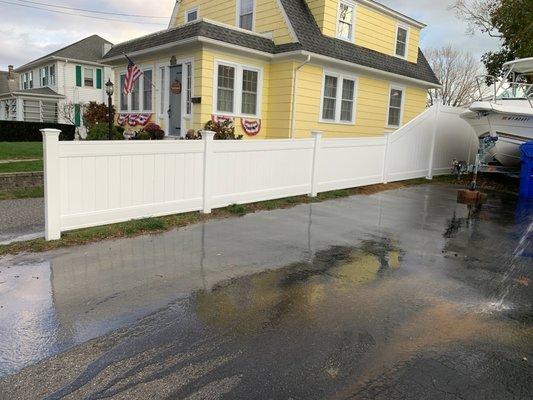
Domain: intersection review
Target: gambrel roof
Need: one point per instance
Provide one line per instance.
(309, 36)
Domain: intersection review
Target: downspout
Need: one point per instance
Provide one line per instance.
(294, 87)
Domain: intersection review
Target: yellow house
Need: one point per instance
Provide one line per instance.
(277, 68)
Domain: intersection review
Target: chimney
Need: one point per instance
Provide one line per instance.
(10, 74)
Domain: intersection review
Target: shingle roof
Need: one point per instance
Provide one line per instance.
(42, 90)
(89, 49)
(310, 38)
(200, 28)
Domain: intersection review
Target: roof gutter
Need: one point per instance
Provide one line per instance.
(351, 65)
(55, 58)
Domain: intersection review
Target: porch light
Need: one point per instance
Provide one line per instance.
(109, 87)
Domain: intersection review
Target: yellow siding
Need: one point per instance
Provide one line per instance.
(372, 97)
(373, 29)
(280, 101)
(268, 18)
(203, 112)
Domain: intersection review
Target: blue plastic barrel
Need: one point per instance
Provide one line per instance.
(526, 175)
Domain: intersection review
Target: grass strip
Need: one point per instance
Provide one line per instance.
(21, 166)
(162, 224)
(22, 193)
(20, 150)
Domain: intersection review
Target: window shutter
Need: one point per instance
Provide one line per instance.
(77, 115)
(99, 78)
(78, 75)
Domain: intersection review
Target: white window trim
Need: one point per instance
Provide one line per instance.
(191, 10)
(141, 94)
(237, 98)
(406, 27)
(402, 107)
(340, 78)
(354, 5)
(238, 15)
(83, 77)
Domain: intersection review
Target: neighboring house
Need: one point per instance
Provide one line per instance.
(286, 67)
(62, 81)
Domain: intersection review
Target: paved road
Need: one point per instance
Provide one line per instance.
(398, 295)
(21, 218)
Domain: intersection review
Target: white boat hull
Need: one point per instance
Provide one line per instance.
(512, 128)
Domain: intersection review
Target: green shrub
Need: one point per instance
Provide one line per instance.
(142, 135)
(22, 131)
(155, 131)
(224, 130)
(96, 113)
(100, 132)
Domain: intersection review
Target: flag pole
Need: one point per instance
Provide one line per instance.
(149, 80)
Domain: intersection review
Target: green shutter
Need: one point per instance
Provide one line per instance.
(78, 75)
(77, 115)
(98, 78)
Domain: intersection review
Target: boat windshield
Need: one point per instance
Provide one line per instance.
(516, 91)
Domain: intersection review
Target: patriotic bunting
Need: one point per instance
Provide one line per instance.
(251, 126)
(220, 118)
(133, 119)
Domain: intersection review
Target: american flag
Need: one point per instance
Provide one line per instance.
(132, 75)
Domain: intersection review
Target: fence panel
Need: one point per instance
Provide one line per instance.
(346, 163)
(106, 182)
(257, 170)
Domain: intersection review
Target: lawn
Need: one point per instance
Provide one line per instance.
(22, 193)
(21, 166)
(20, 150)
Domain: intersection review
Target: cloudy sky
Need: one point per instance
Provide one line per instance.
(28, 33)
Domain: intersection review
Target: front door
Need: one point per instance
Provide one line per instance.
(174, 111)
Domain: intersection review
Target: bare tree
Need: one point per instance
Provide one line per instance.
(67, 112)
(457, 73)
(478, 15)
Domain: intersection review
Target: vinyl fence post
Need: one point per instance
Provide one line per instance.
(317, 135)
(386, 156)
(433, 141)
(52, 199)
(208, 137)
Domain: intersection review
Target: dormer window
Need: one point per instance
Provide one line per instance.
(401, 41)
(246, 14)
(345, 23)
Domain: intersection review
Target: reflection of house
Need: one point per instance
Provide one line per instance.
(346, 67)
(72, 75)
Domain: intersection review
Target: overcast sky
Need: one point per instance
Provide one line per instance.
(29, 33)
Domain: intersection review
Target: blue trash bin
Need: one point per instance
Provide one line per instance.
(526, 175)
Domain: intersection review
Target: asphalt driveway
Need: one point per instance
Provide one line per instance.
(21, 219)
(399, 295)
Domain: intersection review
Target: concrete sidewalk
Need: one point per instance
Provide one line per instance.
(21, 219)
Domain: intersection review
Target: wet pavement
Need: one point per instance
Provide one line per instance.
(21, 219)
(400, 295)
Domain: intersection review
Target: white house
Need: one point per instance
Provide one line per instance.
(63, 80)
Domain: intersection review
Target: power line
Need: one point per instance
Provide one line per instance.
(90, 11)
(81, 15)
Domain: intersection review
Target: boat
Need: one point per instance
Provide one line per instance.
(506, 115)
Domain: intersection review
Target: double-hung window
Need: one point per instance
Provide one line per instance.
(237, 90)
(396, 95)
(43, 76)
(27, 80)
(246, 14)
(402, 34)
(52, 74)
(346, 20)
(338, 98)
(88, 77)
(140, 99)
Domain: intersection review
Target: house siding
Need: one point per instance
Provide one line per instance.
(371, 105)
(373, 29)
(268, 17)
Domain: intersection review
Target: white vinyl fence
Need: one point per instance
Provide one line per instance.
(91, 183)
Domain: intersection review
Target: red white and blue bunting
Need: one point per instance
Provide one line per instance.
(220, 118)
(133, 119)
(251, 126)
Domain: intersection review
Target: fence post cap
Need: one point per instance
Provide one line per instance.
(207, 135)
(50, 131)
(317, 133)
